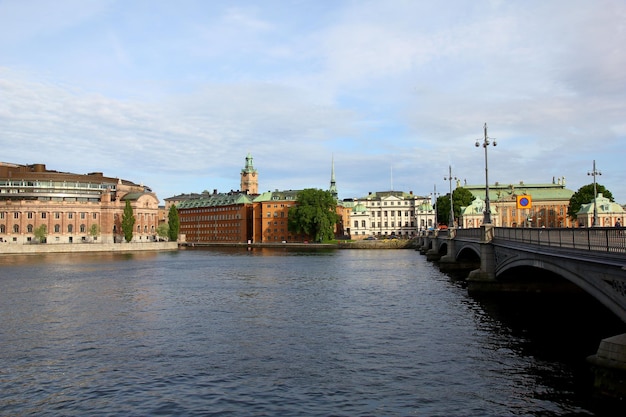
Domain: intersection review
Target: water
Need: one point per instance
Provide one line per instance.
(276, 332)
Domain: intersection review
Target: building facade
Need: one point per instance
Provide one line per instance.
(389, 213)
(72, 208)
(217, 218)
(545, 205)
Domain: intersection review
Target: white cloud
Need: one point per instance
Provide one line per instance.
(188, 90)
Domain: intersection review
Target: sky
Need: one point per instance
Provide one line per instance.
(175, 94)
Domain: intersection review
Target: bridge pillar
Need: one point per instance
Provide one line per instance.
(483, 278)
(449, 258)
(609, 367)
(432, 254)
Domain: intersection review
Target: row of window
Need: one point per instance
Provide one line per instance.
(57, 228)
(213, 217)
(392, 213)
(386, 224)
(44, 215)
(391, 203)
(56, 184)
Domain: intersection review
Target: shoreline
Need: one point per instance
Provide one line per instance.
(36, 249)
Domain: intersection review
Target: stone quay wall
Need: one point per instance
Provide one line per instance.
(19, 249)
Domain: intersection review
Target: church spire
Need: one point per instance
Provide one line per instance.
(333, 184)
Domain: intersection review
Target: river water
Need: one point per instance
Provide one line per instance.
(280, 332)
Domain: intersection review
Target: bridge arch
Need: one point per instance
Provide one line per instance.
(601, 290)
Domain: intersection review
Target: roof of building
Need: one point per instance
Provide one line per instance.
(508, 192)
(387, 194)
(39, 172)
(276, 195)
(603, 205)
(216, 199)
(477, 207)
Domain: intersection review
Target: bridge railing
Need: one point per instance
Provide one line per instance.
(469, 234)
(601, 239)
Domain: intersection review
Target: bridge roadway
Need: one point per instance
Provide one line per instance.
(518, 259)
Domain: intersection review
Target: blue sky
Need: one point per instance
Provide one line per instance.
(174, 94)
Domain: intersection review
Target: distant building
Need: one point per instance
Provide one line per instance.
(216, 218)
(608, 213)
(389, 213)
(73, 207)
(545, 205)
(272, 217)
(244, 215)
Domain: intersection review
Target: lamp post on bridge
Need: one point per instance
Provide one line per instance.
(595, 173)
(449, 178)
(485, 144)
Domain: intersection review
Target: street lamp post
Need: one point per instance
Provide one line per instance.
(434, 196)
(595, 173)
(485, 144)
(449, 178)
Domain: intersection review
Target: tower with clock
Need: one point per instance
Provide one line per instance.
(249, 177)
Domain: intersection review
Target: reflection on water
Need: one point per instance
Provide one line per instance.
(281, 332)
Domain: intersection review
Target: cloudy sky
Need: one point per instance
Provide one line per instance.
(174, 94)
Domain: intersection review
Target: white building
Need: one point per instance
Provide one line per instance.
(390, 213)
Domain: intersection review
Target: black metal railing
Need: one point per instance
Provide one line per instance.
(599, 239)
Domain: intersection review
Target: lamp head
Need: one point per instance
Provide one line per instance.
(477, 144)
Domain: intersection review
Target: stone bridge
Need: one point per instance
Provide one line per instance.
(497, 259)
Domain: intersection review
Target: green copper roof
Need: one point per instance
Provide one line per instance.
(289, 195)
(603, 204)
(507, 192)
(216, 199)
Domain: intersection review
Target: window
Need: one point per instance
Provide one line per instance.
(29, 215)
(16, 214)
(2, 215)
(57, 228)
(29, 228)
(43, 215)
(363, 223)
(70, 228)
(16, 228)
(57, 215)
(70, 215)
(94, 216)
(356, 223)
(83, 215)
(83, 228)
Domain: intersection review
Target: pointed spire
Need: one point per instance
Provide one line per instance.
(333, 184)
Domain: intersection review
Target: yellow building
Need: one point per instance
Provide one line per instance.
(521, 205)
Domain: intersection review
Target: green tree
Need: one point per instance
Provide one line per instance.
(584, 195)
(163, 230)
(94, 231)
(128, 222)
(174, 223)
(461, 197)
(40, 233)
(314, 215)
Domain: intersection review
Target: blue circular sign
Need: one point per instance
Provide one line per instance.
(524, 202)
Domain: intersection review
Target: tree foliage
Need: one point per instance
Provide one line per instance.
(163, 230)
(174, 223)
(128, 222)
(461, 197)
(584, 195)
(40, 233)
(94, 230)
(314, 215)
